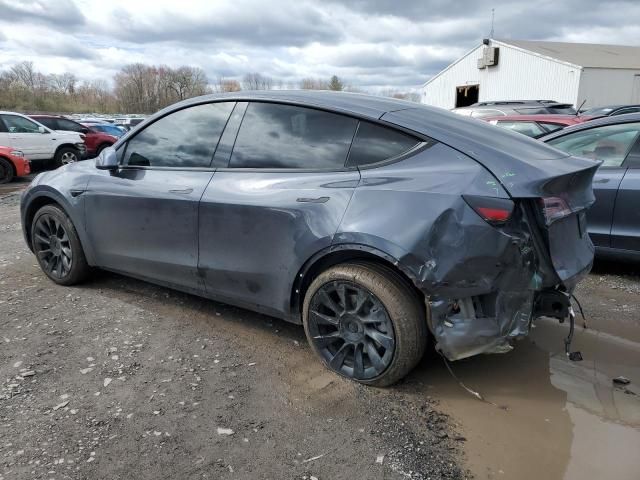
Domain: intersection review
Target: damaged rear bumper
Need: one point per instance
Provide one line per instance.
(492, 296)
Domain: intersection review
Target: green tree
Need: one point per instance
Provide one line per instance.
(336, 84)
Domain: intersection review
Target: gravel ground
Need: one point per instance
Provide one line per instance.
(122, 379)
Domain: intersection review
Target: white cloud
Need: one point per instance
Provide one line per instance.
(372, 44)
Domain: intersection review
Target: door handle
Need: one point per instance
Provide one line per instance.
(313, 200)
(184, 191)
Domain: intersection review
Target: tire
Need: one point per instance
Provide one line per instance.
(6, 171)
(390, 318)
(72, 267)
(66, 155)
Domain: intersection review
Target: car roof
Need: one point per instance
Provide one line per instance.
(541, 118)
(354, 103)
(598, 122)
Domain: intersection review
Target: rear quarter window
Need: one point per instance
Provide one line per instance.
(375, 143)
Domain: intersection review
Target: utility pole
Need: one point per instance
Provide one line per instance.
(493, 14)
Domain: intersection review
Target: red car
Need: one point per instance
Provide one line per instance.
(94, 140)
(12, 164)
(536, 125)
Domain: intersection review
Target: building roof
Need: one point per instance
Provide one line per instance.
(588, 55)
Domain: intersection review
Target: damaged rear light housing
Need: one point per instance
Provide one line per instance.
(495, 211)
(554, 208)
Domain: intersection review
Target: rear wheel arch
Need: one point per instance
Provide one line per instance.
(338, 254)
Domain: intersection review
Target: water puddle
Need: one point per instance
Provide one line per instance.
(563, 420)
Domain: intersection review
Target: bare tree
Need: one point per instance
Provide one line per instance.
(187, 82)
(63, 83)
(227, 85)
(24, 74)
(313, 84)
(256, 81)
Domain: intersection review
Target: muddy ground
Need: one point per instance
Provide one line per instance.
(122, 379)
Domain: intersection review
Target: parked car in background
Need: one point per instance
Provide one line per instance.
(516, 107)
(369, 220)
(128, 123)
(614, 220)
(107, 128)
(38, 142)
(612, 110)
(94, 140)
(12, 164)
(535, 126)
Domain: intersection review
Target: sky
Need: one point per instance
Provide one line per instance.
(372, 45)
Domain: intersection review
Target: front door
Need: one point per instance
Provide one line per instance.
(143, 218)
(611, 145)
(279, 201)
(23, 134)
(625, 231)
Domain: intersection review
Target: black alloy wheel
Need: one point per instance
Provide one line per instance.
(351, 329)
(52, 246)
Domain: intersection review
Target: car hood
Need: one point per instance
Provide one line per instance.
(70, 135)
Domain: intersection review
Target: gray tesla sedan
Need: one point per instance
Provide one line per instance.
(373, 222)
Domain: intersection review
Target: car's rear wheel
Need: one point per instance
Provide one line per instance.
(6, 171)
(365, 323)
(57, 246)
(66, 155)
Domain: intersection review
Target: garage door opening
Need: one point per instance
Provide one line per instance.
(467, 95)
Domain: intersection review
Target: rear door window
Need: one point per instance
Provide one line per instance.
(51, 123)
(285, 136)
(183, 139)
(375, 143)
(68, 125)
(609, 143)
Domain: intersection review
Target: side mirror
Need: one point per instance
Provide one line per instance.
(85, 130)
(42, 130)
(107, 160)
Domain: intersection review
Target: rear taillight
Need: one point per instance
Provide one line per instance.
(496, 211)
(554, 208)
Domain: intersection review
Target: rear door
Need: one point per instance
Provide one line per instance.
(277, 199)
(143, 218)
(610, 144)
(625, 231)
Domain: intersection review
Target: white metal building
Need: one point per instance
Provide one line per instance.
(532, 70)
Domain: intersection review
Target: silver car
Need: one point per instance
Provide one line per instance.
(374, 222)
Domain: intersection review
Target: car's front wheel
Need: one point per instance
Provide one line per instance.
(57, 246)
(365, 323)
(66, 155)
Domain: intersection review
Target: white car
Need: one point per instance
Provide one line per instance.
(39, 143)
